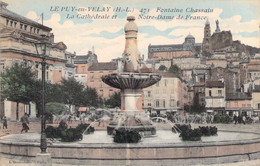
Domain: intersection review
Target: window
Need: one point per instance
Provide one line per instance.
(157, 103)
(248, 105)
(210, 93)
(171, 102)
(21, 26)
(243, 105)
(11, 23)
(15, 23)
(164, 91)
(7, 21)
(219, 92)
(47, 74)
(38, 31)
(31, 28)
(258, 105)
(25, 27)
(148, 93)
(163, 103)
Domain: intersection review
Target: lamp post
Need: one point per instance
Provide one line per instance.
(43, 50)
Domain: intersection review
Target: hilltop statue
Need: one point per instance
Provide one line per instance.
(217, 26)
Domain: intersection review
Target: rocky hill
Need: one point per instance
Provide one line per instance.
(224, 39)
(221, 40)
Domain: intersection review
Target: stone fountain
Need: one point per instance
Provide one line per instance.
(130, 80)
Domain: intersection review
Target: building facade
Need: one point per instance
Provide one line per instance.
(18, 36)
(94, 74)
(170, 94)
(215, 96)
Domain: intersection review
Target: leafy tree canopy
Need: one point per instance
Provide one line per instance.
(114, 100)
(162, 68)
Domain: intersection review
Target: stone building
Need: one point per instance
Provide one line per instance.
(239, 103)
(18, 36)
(94, 74)
(82, 63)
(188, 48)
(215, 96)
(231, 78)
(170, 94)
(254, 69)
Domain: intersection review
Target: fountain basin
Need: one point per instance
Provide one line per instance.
(233, 147)
(131, 80)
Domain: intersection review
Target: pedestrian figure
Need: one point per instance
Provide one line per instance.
(25, 121)
(4, 122)
(244, 119)
(235, 119)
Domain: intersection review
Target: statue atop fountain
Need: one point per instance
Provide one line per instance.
(131, 82)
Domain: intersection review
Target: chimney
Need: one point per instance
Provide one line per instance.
(52, 37)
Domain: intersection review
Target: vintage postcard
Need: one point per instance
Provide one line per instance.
(141, 82)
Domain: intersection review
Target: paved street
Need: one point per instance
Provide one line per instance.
(15, 128)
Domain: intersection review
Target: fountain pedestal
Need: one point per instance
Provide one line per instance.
(131, 117)
(131, 100)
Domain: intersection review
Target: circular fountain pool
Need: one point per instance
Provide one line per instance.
(165, 148)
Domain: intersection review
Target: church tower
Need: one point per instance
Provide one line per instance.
(207, 48)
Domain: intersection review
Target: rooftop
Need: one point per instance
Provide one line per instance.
(238, 96)
(215, 84)
(103, 66)
(4, 12)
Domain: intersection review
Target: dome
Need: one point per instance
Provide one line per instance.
(190, 37)
(131, 26)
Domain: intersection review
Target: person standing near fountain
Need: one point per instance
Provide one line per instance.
(25, 121)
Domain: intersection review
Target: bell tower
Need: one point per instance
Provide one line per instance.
(207, 48)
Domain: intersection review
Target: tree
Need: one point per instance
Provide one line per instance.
(53, 93)
(162, 68)
(72, 91)
(54, 108)
(174, 69)
(89, 97)
(18, 81)
(114, 100)
(196, 107)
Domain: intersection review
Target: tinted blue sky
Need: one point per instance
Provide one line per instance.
(241, 17)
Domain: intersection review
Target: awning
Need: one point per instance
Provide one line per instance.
(171, 111)
(82, 109)
(209, 110)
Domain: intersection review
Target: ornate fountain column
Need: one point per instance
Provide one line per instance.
(131, 82)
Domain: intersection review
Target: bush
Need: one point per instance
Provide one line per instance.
(67, 135)
(71, 135)
(222, 119)
(127, 136)
(83, 126)
(208, 130)
(181, 127)
(191, 135)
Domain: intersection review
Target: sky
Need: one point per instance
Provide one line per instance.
(159, 22)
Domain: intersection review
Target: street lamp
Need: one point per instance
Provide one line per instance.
(43, 50)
